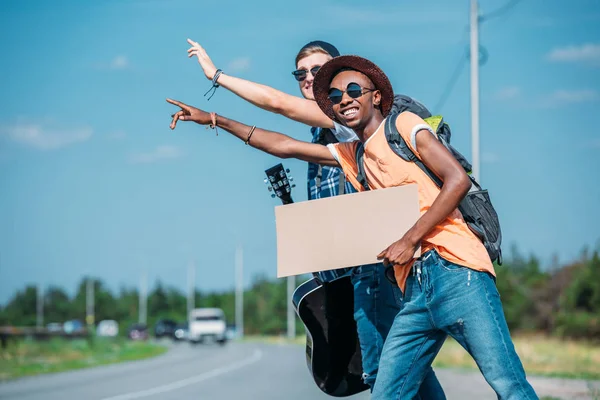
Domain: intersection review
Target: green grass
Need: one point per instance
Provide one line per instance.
(541, 355)
(27, 357)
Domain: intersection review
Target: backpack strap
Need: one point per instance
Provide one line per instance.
(400, 147)
(318, 177)
(342, 187)
(361, 177)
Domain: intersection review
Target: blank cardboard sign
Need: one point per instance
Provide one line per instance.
(342, 231)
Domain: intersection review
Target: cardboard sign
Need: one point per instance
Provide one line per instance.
(342, 231)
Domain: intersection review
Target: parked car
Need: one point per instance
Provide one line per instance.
(181, 332)
(54, 327)
(73, 326)
(164, 328)
(107, 328)
(137, 332)
(207, 323)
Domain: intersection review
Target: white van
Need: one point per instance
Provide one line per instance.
(107, 327)
(207, 323)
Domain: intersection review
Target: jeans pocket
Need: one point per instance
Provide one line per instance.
(450, 266)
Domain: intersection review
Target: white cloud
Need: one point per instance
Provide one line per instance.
(119, 62)
(165, 152)
(563, 97)
(508, 93)
(43, 138)
(239, 64)
(586, 53)
(117, 135)
(489, 158)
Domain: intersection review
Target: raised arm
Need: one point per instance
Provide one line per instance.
(274, 143)
(265, 97)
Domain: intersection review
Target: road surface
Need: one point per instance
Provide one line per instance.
(235, 371)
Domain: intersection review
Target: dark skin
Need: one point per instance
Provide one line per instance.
(274, 143)
(364, 118)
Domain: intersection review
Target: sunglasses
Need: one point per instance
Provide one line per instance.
(300, 74)
(354, 90)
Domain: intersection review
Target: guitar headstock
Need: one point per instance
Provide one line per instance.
(279, 183)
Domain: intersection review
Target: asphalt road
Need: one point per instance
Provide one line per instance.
(235, 371)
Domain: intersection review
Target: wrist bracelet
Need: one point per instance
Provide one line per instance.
(250, 135)
(213, 124)
(215, 85)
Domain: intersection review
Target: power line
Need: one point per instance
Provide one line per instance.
(500, 11)
(463, 58)
(451, 83)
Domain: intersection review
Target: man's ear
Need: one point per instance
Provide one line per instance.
(377, 98)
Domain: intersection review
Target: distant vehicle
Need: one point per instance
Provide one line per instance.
(181, 332)
(207, 323)
(107, 328)
(138, 332)
(231, 332)
(54, 327)
(165, 328)
(73, 326)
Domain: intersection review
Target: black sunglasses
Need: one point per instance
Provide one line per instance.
(300, 74)
(354, 90)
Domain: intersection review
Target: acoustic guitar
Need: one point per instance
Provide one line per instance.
(326, 309)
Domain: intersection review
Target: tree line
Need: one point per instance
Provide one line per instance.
(562, 300)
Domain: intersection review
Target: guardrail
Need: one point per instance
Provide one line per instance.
(11, 332)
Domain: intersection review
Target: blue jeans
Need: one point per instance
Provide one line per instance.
(376, 304)
(443, 299)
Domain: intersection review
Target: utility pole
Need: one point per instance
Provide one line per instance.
(475, 88)
(39, 306)
(239, 291)
(291, 318)
(191, 287)
(89, 302)
(143, 297)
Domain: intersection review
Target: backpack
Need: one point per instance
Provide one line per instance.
(476, 207)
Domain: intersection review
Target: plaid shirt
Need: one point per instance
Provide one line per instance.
(328, 186)
(329, 177)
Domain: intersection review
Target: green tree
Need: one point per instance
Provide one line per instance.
(57, 305)
(579, 315)
(105, 305)
(21, 310)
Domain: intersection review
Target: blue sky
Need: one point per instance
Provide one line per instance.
(92, 181)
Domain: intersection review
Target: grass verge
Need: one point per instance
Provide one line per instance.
(28, 357)
(541, 355)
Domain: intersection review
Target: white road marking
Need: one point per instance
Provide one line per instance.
(191, 380)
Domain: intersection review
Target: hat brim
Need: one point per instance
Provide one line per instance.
(373, 72)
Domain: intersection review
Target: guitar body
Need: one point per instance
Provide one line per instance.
(332, 348)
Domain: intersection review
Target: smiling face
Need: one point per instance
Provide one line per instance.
(308, 63)
(356, 113)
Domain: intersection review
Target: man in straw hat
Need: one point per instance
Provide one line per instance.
(450, 289)
(375, 299)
